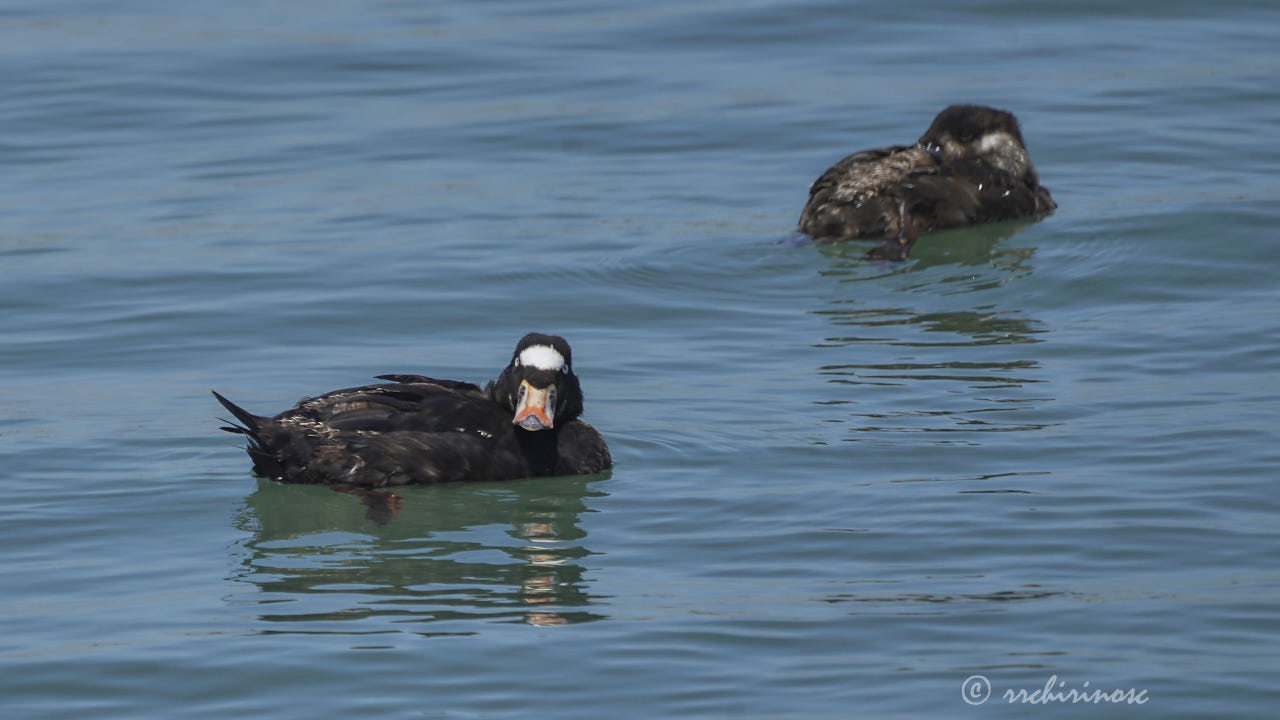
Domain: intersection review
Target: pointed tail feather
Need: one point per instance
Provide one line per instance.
(264, 458)
(249, 420)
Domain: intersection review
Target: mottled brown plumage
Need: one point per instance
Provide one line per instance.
(971, 166)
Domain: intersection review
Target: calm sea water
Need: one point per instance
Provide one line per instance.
(1039, 453)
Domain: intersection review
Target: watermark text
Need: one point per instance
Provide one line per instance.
(976, 690)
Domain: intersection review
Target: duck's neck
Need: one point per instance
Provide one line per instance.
(540, 449)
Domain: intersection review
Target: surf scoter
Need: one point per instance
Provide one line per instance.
(971, 166)
(417, 429)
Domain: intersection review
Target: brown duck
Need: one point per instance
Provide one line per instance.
(970, 167)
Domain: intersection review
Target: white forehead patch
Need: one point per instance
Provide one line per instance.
(543, 357)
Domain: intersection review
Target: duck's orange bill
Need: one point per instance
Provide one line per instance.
(533, 411)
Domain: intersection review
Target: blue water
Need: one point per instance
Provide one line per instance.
(1034, 452)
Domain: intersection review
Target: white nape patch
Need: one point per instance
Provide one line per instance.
(992, 141)
(542, 357)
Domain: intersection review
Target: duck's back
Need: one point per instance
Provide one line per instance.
(414, 430)
(860, 195)
(411, 431)
(409, 402)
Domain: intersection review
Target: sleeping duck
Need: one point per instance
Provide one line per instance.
(416, 429)
(971, 166)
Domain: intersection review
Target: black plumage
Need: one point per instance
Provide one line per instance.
(971, 166)
(416, 429)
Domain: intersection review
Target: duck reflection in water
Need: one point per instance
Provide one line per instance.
(467, 555)
(927, 348)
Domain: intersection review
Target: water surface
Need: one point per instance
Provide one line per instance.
(841, 487)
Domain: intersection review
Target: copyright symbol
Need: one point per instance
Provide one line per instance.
(975, 689)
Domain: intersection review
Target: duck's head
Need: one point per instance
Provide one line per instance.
(539, 386)
(981, 134)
